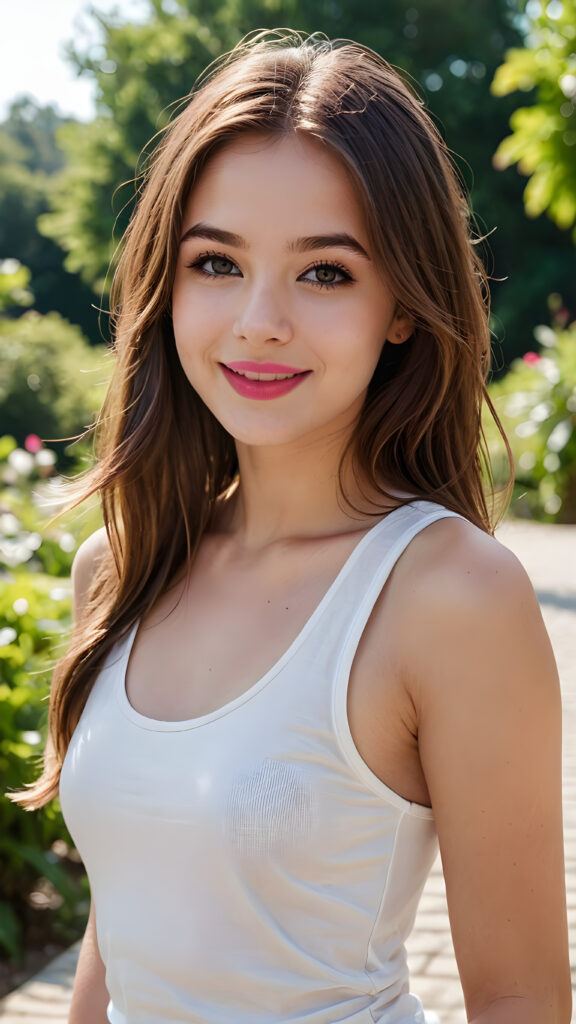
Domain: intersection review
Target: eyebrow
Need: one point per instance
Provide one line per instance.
(340, 240)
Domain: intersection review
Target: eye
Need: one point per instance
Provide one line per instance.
(328, 275)
(213, 264)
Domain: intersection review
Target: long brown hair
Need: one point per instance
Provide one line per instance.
(163, 458)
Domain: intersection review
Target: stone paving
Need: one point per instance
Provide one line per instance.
(549, 555)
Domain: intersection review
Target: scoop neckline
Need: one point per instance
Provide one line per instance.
(182, 725)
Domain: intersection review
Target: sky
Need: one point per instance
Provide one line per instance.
(34, 33)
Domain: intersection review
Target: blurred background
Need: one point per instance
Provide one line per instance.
(83, 88)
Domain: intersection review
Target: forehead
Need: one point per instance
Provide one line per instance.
(278, 181)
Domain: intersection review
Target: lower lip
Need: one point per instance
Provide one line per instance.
(262, 389)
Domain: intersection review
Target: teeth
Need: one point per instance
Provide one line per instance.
(264, 376)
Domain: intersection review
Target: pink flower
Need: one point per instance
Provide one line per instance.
(33, 443)
(531, 358)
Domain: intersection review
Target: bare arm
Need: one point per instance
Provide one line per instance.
(90, 996)
(484, 681)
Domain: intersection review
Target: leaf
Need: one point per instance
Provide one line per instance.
(10, 930)
(45, 867)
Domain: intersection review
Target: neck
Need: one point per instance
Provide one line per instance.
(294, 491)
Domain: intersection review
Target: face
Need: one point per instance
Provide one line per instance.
(279, 311)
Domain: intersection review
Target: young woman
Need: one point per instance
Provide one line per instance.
(300, 657)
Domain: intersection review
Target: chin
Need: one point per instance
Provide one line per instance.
(264, 438)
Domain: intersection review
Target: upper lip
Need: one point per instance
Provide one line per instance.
(243, 366)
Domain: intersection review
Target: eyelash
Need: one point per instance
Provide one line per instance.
(196, 266)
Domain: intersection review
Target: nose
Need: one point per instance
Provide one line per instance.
(263, 316)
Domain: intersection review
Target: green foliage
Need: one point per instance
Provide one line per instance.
(536, 402)
(147, 67)
(14, 281)
(543, 139)
(22, 194)
(82, 218)
(29, 162)
(34, 615)
(34, 129)
(39, 872)
(51, 380)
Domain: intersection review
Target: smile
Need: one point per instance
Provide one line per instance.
(262, 381)
(251, 375)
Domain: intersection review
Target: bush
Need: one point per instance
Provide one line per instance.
(536, 402)
(51, 380)
(43, 892)
(35, 875)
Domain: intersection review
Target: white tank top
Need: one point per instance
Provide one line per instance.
(246, 866)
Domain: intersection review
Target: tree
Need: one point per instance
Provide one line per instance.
(543, 139)
(29, 160)
(34, 128)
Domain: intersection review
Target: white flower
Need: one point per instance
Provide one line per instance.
(545, 335)
(45, 457)
(560, 436)
(9, 524)
(547, 367)
(23, 462)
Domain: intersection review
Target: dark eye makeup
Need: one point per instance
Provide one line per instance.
(221, 267)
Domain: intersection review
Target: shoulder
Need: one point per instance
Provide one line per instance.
(85, 564)
(470, 628)
(465, 568)
(462, 597)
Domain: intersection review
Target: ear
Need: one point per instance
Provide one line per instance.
(401, 328)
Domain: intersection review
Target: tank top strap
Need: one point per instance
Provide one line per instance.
(382, 548)
(384, 545)
(335, 627)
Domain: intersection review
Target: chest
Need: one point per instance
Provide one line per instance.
(224, 627)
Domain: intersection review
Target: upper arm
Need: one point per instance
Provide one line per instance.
(85, 564)
(485, 686)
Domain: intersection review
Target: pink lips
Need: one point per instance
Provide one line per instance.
(262, 389)
(244, 366)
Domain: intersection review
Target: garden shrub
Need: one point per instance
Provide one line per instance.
(536, 402)
(52, 382)
(40, 877)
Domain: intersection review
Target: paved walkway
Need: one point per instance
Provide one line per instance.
(549, 555)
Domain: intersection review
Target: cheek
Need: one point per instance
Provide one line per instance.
(354, 340)
(195, 324)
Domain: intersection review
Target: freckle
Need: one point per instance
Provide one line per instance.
(268, 601)
(286, 608)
